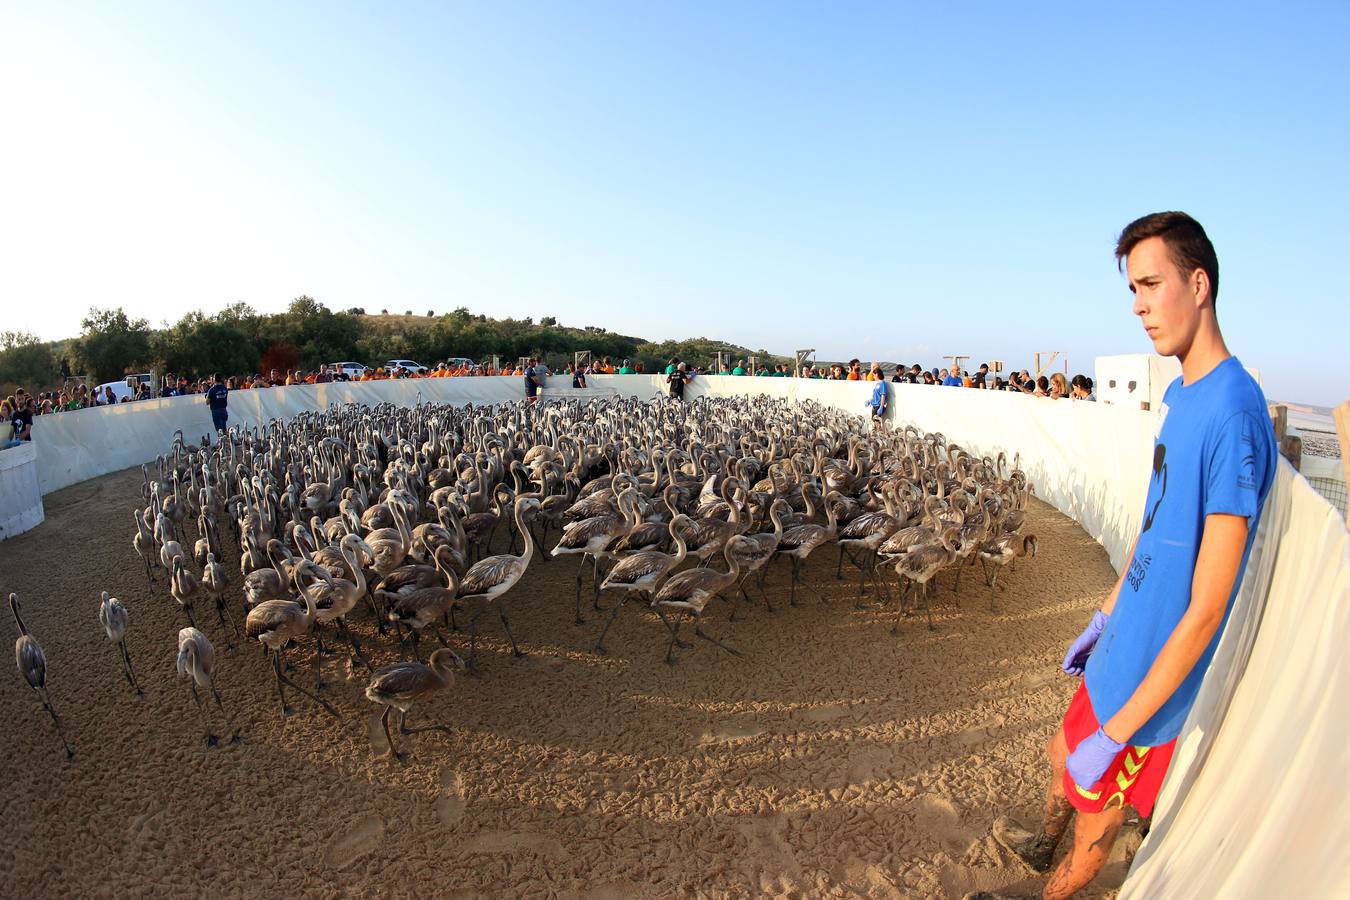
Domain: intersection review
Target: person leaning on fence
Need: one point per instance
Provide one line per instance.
(676, 381)
(217, 397)
(1145, 652)
(533, 381)
(877, 403)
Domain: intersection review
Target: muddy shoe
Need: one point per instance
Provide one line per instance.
(1032, 849)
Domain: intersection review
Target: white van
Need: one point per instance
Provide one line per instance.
(414, 367)
(126, 388)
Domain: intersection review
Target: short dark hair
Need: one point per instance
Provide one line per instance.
(1185, 239)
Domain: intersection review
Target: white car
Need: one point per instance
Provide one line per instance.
(414, 367)
(353, 370)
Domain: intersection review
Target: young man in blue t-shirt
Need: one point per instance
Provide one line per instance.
(1146, 650)
(217, 397)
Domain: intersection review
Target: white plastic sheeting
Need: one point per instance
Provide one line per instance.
(1251, 806)
(20, 499)
(76, 446)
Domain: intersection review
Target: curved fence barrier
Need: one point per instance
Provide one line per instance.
(1250, 807)
(20, 498)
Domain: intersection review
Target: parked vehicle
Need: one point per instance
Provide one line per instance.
(352, 370)
(124, 388)
(409, 365)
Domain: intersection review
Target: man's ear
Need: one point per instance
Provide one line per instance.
(1200, 286)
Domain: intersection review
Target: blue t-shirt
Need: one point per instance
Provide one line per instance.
(878, 396)
(951, 381)
(216, 395)
(1215, 453)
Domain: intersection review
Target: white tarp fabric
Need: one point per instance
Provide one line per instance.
(1251, 807)
(76, 446)
(20, 498)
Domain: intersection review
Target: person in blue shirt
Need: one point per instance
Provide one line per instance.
(877, 404)
(1147, 648)
(217, 397)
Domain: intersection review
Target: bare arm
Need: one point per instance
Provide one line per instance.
(1216, 569)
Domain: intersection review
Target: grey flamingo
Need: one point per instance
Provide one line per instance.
(405, 683)
(32, 664)
(112, 615)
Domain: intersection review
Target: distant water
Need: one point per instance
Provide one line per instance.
(1307, 417)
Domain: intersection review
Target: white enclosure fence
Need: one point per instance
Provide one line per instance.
(1251, 806)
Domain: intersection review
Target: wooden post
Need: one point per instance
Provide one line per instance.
(1291, 445)
(1279, 419)
(1342, 416)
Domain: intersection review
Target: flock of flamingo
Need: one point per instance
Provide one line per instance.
(394, 512)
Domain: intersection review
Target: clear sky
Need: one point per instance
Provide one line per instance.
(886, 181)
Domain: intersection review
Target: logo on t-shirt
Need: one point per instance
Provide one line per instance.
(1159, 474)
(1138, 569)
(1247, 471)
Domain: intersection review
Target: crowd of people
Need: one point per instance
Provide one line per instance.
(19, 408)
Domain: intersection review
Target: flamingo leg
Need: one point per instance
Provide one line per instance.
(56, 720)
(211, 739)
(393, 751)
(698, 630)
(613, 613)
(417, 729)
(501, 612)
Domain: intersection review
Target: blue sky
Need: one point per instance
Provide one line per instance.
(884, 181)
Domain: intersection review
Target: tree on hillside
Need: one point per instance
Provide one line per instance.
(112, 344)
(549, 321)
(25, 360)
(200, 346)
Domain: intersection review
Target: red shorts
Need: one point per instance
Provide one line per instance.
(1134, 776)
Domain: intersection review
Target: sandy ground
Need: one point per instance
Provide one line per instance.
(831, 759)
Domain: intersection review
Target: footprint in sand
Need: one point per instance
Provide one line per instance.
(728, 733)
(768, 850)
(363, 837)
(512, 842)
(937, 817)
(868, 765)
(865, 879)
(981, 731)
(450, 806)
(827, 713)
(1036, 681)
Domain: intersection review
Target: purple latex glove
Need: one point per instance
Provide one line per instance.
(1079, 651)
(1090, 759)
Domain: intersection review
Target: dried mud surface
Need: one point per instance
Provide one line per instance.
(830, 759)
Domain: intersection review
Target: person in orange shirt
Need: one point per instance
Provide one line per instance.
(854, 370)
(874, 374)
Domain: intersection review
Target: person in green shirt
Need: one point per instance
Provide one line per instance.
(670, 369)
(779, 371)
(740, 368)
(626, 368)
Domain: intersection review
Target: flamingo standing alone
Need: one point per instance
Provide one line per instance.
(32, 664)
